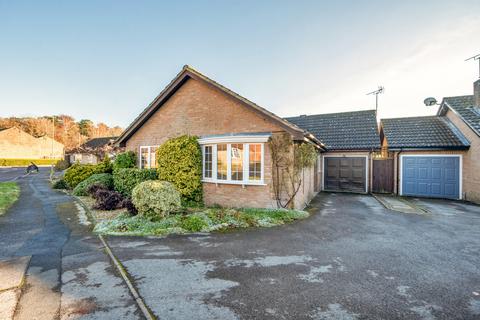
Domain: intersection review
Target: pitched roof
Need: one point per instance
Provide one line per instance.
(98, 142)
(190, 73)
(355, 130)
(464, 107)
(430, 132)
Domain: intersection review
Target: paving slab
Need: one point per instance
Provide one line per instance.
(399, 204)
(8, 302)
(12, 272)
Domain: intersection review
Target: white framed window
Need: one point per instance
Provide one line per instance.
(233, 163)
(148, 157)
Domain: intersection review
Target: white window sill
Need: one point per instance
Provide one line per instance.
(241, 183)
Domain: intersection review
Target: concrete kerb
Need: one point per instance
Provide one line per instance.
(121, 269)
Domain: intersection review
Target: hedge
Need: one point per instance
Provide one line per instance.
(103, 179)
(78, 173)
(125, 160)
(180, 162)
(26, 162)
(124, 180)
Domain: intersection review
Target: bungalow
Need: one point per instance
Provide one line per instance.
(438, 156)
(94, 150)
(18, 144)
(429, 154)
(351, 139)
(464, 113)
(234, 134)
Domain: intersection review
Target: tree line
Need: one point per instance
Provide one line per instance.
(63, 128)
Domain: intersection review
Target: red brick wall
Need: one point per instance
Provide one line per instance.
(198, 109)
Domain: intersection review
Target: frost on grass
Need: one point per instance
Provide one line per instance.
(198, 220)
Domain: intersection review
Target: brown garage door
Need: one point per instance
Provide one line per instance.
(345, 174)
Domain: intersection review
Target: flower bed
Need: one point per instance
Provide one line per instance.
(197, 220)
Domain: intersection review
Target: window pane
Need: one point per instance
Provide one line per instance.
(255, 162)
(143, 157)
(207, 166)
(237, 162)
(222, 162)
(153, 157)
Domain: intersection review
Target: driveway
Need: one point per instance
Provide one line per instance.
(68, 276)
(352, 259)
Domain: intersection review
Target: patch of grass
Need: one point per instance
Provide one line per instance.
(9, 193)
(198, 220)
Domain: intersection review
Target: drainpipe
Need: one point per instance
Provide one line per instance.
(397, 173)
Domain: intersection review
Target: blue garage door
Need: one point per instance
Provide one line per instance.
(437, 177)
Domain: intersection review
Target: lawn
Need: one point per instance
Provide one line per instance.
(9, 193)
(197, 220)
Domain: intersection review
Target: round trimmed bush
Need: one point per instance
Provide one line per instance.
(102, 179)
(156, 198)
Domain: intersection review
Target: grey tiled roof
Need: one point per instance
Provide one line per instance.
(355, 130)
(99, 142)
(431, 132)
(465, 107)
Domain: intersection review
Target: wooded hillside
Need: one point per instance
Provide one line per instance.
(67, 131)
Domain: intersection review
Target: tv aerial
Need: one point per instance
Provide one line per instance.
(376, 93)
(475, 57)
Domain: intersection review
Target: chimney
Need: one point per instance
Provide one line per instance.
(476, 92)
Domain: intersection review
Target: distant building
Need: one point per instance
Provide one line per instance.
(17, 144)
(94, 150)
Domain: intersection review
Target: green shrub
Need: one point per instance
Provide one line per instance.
(180, 162)
(156, 198)
(125, 160)
(105, 166)
(193, 223)
(60, 184)
(124, 180)
(102, 179)
(78, 173)
(61, 165)
(26, 162)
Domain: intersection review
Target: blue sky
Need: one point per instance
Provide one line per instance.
(106, 60)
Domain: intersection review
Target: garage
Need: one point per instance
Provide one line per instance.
(345, 174)
(431, 176)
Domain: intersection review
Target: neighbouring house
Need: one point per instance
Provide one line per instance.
(17, 144)
(464, 113)
(350, 139)
(233, 133)
(429, 156)
(94, 151)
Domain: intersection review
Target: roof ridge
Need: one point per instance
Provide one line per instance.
(411, 117)
(331, 113)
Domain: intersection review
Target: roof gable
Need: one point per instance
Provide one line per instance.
(464, 107)
(431, 132)
(189, 73)
(355, 130)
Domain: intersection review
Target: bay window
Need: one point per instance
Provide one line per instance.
(231, 160)
(148, 157)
